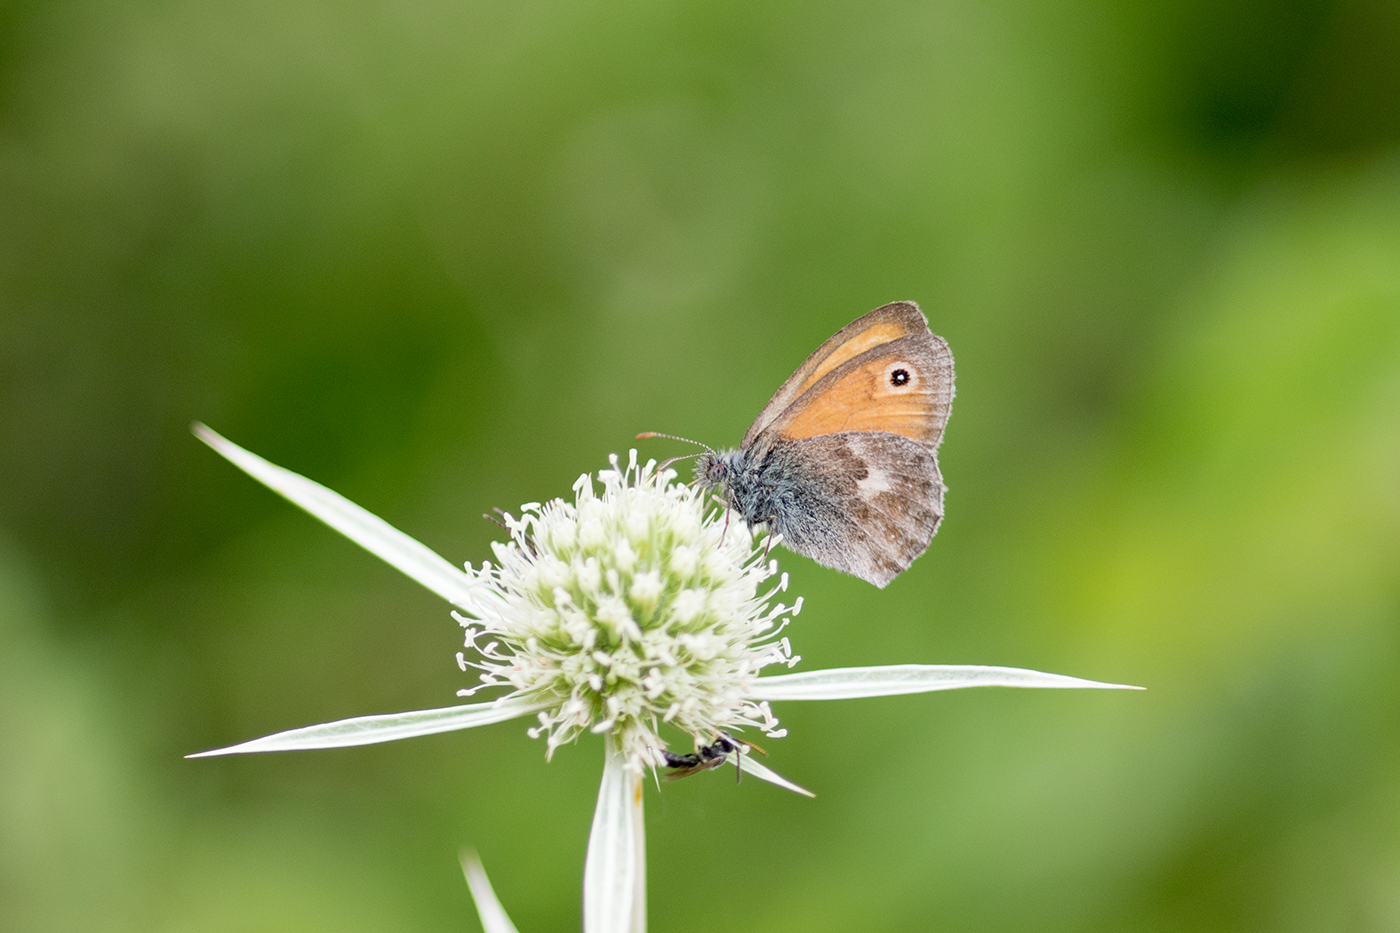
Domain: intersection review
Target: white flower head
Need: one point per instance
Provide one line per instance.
(621, 611)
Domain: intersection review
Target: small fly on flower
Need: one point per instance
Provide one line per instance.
(709, 756)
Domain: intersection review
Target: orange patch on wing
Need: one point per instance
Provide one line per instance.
(863, 400)
(853, 347)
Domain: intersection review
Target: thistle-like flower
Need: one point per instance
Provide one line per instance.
(614, 614)
(624, 610)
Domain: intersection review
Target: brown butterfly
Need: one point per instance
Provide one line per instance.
(842, 461)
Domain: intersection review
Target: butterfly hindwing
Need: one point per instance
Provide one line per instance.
(866, 503)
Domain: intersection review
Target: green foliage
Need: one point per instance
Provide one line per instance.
(445, 256)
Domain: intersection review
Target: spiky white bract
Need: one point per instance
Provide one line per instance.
(364, 528)
(627, 609)
(849, 683)
(488, 907)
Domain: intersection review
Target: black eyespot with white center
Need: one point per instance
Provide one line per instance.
(899, 378)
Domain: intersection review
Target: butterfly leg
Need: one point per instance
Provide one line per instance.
(728, 510)
(768, 541)
(529, 539)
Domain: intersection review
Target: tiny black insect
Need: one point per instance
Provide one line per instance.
(707, 757)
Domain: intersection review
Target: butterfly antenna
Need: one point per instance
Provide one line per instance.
(646, 434)
(670, 460)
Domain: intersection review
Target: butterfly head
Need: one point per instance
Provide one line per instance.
(713, 469)
(717, 469)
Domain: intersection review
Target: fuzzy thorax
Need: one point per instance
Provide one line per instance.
(622, 611)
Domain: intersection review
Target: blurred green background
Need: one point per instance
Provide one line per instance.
(444, 256)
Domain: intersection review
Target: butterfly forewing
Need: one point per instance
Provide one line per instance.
(884, 325)
(904, 387)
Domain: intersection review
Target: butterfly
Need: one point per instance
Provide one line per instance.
(842, 462)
